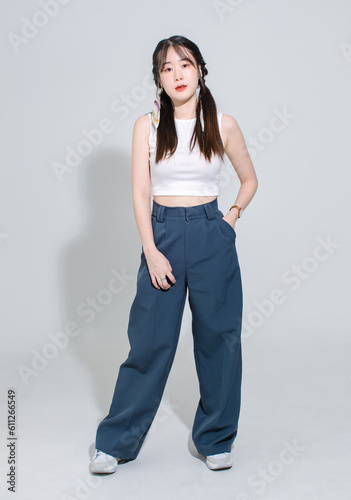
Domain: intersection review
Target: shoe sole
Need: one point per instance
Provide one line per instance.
(219, 466)
(96, 470)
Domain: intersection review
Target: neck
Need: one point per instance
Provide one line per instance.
(185, 110)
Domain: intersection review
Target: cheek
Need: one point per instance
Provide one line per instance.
(194, 75)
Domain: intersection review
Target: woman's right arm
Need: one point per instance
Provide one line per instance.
(158, 264)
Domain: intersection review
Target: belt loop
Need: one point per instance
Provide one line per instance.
(208, 210)
(159, 215)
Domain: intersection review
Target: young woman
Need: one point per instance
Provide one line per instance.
(187, 244)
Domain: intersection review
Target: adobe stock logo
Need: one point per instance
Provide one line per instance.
(84, 489)
(346, 51)
(260, 480)
(88, 309)
(121, 108)
(293, 277)
(277, 124)
(31, 27)
(222, 8)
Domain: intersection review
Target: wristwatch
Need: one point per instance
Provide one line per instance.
(240, 210)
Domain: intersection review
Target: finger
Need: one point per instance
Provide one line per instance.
(159, 282)
(171, 277)
(154, 282)
(164, 283)
(169, 273)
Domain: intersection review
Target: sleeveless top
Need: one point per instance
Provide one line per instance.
(184, 173)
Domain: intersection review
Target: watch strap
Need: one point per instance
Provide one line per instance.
(239, 209)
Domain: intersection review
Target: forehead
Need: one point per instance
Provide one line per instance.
(176, 54)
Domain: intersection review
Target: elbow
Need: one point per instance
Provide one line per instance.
(143, 194)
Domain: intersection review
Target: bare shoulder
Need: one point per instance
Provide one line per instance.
(229, 123)
(230, 129)
(142, 126)
(140, 149)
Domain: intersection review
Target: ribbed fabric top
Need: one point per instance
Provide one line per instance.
(185, 173)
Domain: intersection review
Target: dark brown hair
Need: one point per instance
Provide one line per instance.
(209, 141)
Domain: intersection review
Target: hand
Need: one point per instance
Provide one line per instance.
(159, 267)
(231, 217)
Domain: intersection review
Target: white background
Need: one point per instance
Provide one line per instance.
(63, 236)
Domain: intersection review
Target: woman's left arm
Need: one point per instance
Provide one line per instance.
(236, 150)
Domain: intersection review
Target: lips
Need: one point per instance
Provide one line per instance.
(180, 87)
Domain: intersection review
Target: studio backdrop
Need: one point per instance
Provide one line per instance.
(75, 76)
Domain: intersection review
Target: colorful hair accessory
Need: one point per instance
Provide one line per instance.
(157, 108)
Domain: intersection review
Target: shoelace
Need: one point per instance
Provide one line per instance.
(100, 455)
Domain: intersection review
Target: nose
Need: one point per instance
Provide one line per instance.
(178, 75)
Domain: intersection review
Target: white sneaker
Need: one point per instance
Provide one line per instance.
(103, 463)
(219, 461)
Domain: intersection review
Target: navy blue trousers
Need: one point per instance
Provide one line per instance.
(200, 247)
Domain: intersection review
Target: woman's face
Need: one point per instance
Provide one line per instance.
(178, 71)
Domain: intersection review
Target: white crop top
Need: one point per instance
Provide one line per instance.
(184, 173)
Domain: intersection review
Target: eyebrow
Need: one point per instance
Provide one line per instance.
(183, 59)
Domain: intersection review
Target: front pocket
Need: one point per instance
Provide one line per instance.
(227, 226)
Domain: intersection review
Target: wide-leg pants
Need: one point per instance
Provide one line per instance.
(200, 247)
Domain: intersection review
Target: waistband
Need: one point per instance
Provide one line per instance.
(208, 210)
